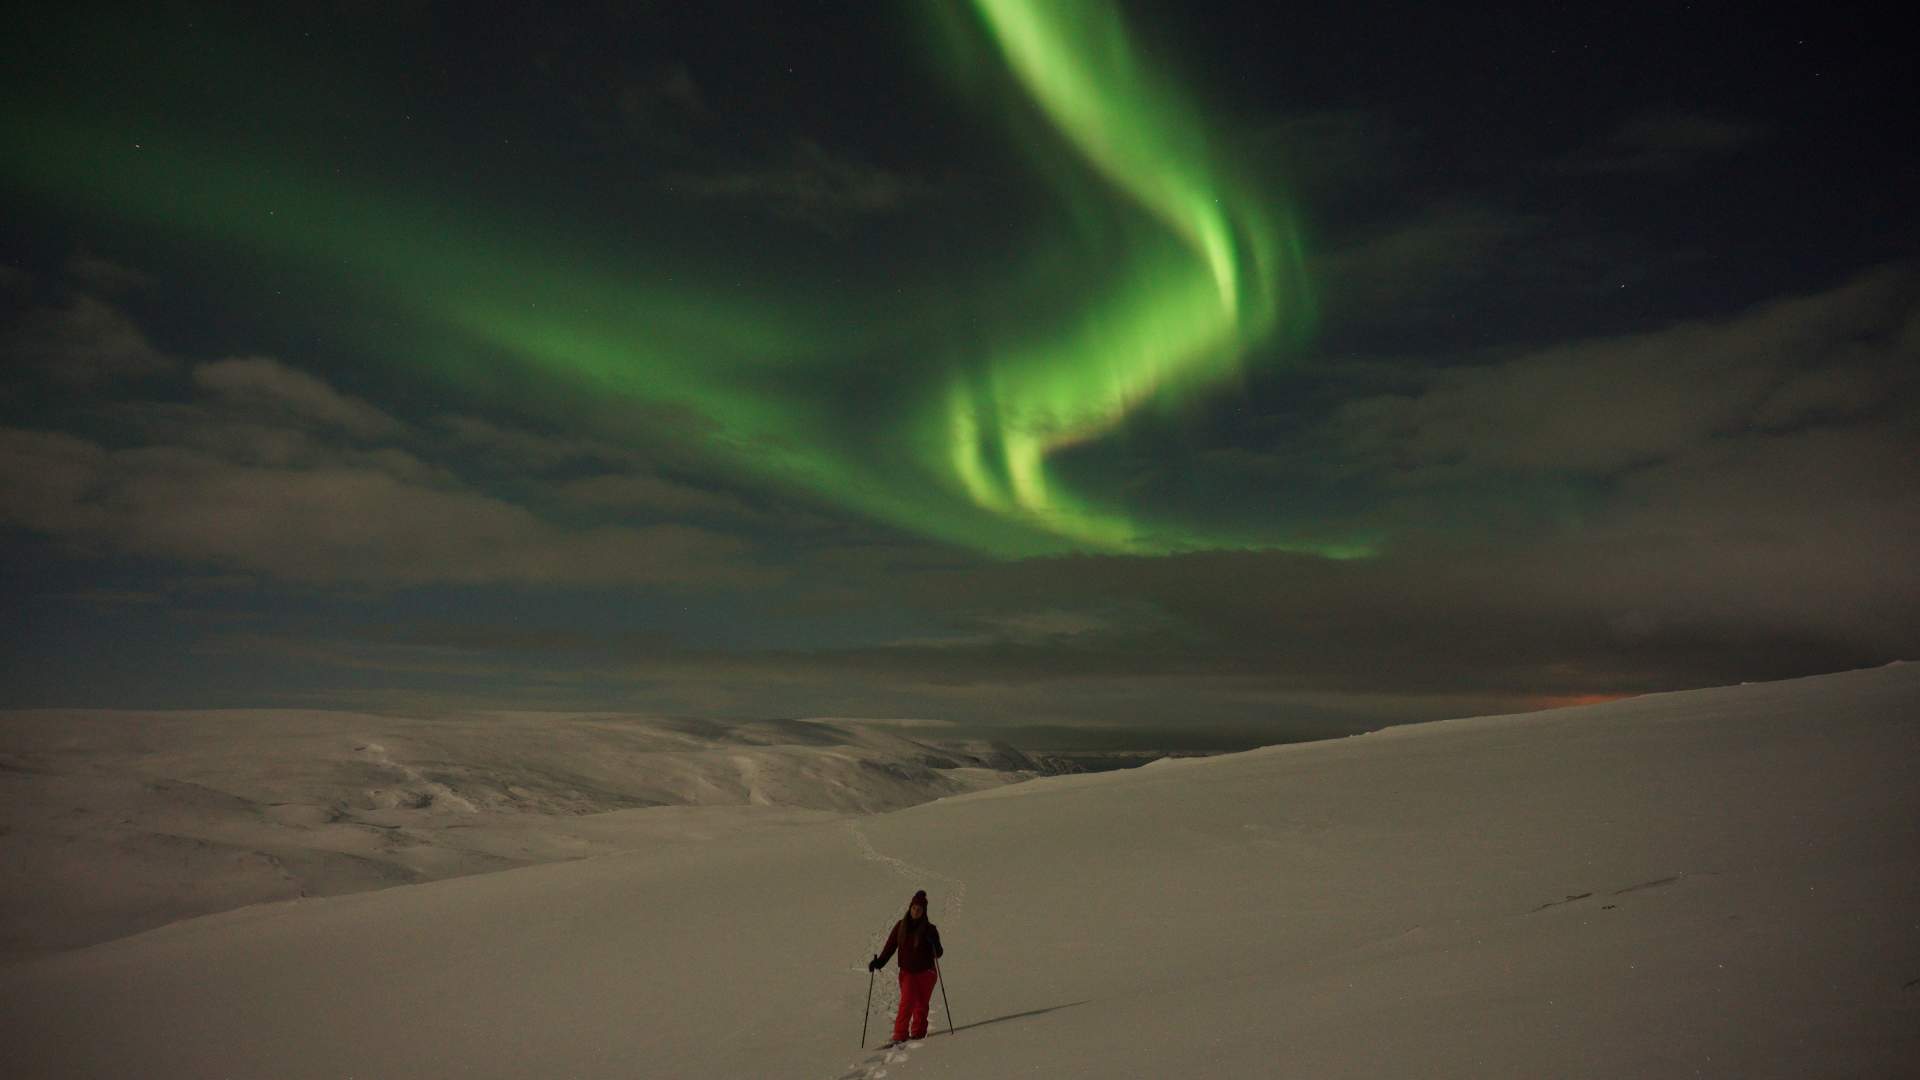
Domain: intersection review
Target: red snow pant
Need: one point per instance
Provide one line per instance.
(916, 996)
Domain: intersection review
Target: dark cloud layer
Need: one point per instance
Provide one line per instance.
(1719, 500)
(268, 470)
(1755, 519)
(1614, 364)
(1602, 406)
(1725, 499)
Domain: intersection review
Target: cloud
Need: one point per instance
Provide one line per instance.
(672, 85)
(522, 450)
(658, 106)
(104, 276)
(260, 383)
(694, 150)
(1671, 141)
(231, 431)
(15, 283)
(1715, 501)
(49, 481)
(1687, 132)
(1326, 153)
(1637, 601)
(85, 342)
(271, 471)
(1816, 528)
(1045, 628)
(649, 493)
(330, 524)
(618, 479)
(1397, 271)
(1827, 395)
(1730, 500)
(812, 184)
(1605, 405)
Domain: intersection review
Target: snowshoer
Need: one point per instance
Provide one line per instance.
(918, 942)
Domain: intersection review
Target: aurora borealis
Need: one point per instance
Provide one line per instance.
(1182, 318)
(1002, 361)
(1177, 272)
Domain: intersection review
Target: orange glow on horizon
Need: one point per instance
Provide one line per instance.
(1571, 701)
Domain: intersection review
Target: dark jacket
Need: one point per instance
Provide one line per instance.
(917, 946)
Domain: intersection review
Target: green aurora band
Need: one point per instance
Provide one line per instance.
(959, 444)
(1180, 320)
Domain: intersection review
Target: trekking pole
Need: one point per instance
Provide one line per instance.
(942, 980)
(864, 1017)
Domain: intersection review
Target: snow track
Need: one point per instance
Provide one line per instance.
(875, 1066)
(951, 899)
(954, 899)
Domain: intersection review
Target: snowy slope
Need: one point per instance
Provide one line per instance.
(120, 821)
(1718, 883)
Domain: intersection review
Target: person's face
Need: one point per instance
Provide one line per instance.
(918, 911)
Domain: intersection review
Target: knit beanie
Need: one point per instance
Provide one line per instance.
(918, 898)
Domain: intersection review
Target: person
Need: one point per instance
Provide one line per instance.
(918, 942)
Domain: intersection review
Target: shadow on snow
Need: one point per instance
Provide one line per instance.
(1011, 1016)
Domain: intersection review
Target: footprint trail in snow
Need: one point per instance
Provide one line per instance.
(951, 904)
(876, 1066)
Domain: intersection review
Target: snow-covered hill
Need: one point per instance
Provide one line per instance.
(1717, 883)
(116, 822)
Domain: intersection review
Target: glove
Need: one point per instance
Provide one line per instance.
(873, 964)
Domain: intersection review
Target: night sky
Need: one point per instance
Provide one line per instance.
(1206, 372)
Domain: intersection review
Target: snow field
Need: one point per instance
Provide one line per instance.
(1717, 883)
